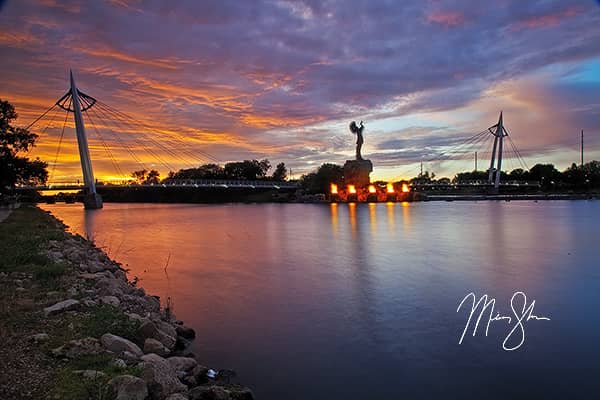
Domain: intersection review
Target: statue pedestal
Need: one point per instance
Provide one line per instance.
(356, 172)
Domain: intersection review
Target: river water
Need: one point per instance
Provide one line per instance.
(326, 301)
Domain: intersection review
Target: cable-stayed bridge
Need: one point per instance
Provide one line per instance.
(110, 125)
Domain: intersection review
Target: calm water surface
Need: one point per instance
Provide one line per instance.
(314, 301)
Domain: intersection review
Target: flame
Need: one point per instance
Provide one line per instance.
(351, 189)
(334, 189)
(390, 188)
(405, 188)
(372, 189)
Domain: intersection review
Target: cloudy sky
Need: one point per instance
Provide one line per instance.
(229, 80)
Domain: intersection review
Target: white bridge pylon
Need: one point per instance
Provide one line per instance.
(499, 133)
(91, 200)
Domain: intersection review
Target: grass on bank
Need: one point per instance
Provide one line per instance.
(24, 237)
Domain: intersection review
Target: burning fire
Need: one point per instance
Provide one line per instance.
(351, 189)
(390, 188)
(372, 189)
(405, 188)
(334, 189)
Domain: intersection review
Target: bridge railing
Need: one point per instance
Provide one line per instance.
(224, 183)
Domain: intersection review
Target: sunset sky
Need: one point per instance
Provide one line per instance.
(229, 80)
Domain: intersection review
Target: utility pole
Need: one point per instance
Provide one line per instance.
(582, 147)
(421, 168)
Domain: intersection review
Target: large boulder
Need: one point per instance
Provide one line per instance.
(221, 393)
(185, 331)
(182, 364)
(151, 330)
(66, 305)
(156, 347)
(160, 377)
(77, 348)
(119, 345)
(127, 387)
(178, 396)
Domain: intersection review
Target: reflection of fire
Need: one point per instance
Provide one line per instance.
(333, 188)
(405, 188)
(372, 189)
(351, 189)
(390, 188)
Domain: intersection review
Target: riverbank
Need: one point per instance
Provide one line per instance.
(74, 327)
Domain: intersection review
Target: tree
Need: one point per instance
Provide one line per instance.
(247, 169)
(320, 181)
(280, 173)
(152, 178)
(145, 177)
(15, 169)
(139, 176)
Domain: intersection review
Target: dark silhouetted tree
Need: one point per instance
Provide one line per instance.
(280, 173)
(320, 181)
(152, 178)
(139, 176)
(15, 169)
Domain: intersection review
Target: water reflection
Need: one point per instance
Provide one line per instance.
(366, 293)
(390, 217)
(334, 218)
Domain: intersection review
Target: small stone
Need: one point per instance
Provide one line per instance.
(66, 305)
(90, 374)
(39, 338)
(110, 300)
(118, 345)
(120, 363)
(89, 303)
(78, 348)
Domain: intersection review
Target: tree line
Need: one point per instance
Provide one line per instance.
(251, 170)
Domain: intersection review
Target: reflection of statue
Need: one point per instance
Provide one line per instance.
(358, 130)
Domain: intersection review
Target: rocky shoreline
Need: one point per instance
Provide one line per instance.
(131, 333)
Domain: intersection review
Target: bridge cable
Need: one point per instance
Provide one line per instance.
(148, 150)
(40, 117)
(62, 133)
(148, 137)
(193, 156)
(101, 115)
(110, 154)
(126, 118)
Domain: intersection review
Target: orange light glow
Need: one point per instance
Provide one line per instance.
(334, 189)
(351, 189)
(405, 188)
(372, 189)
(390, 188)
